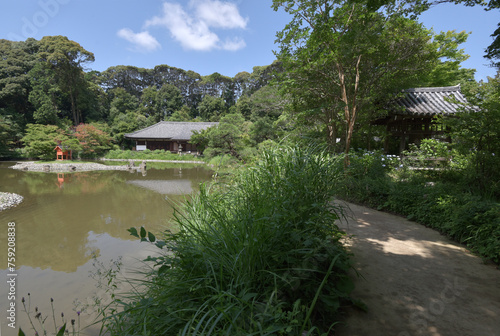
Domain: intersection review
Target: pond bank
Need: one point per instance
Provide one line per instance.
(152, 160)
(9, 200)
(65, 167)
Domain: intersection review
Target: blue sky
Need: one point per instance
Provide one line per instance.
(206, 36)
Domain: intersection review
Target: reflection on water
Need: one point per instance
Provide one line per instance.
(66, 217)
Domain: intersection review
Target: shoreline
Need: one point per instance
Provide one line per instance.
(9, 200)
(65, 167)
(152, 160)
(37, 166)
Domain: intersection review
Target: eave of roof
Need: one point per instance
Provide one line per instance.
(430, 101)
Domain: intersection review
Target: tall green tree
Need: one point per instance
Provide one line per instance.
(160, 104)
(228, 137)
(447, 70)
(340, 58)
(211, 108)
(122, 102)
(168, 100)
(5, 136)
(45, 95)
(67, 59)
(181, 115)
(493, 50)
(16, 61)
(476, 136)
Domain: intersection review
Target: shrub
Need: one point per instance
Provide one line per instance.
(258, 256)
(438, 200)
(148, 155)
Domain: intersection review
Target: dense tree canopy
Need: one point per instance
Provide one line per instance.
(341, 59)
(47, 82)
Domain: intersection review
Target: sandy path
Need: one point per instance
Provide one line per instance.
(417, 282)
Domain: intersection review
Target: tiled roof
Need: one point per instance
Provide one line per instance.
(431, 100)
(172, 130)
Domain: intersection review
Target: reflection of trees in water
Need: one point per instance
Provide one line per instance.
(53, 226)
(69, 183)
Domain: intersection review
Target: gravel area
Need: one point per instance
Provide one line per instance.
(65, 167)
(9, 200)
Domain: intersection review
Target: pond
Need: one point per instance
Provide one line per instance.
(67, 218)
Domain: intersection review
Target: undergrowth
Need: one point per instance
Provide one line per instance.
(149, 155)
(259, 255)
(436, 198)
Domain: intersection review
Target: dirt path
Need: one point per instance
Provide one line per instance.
(417, 282)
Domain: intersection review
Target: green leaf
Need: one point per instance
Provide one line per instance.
(21, 333)
(160, 244)
(163, 269)
(151, 237)
(62, 330)
(133, 232)
(143, 232)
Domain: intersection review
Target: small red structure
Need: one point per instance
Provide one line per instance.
(63, 153)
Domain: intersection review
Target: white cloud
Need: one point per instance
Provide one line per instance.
(190, 33)
(220, 14)
(142, 41)
(193, 31)
(234, 44)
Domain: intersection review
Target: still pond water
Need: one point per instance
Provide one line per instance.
(67, 218)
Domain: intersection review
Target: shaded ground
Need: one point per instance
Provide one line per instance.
(417, 282)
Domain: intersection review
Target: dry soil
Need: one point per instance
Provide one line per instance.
(416, 281)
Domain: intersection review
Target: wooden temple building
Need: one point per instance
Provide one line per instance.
(410, 118)
(173, 136)
(63, 153)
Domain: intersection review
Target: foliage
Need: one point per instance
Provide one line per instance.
(127, 123)
(447, 70)
(212, 108)
(181, 115)
(258, 256)
(328, 45)
(122, 103)
(5, 136)
(46, 96)
(41, 140)
(476, 137)
(365, 179)
(66, 59)
(94, 142)
(160, 104)
(430, 153)
(16, 61)
(442, 200)
(229, 137)
(148, 155)
(45, 82)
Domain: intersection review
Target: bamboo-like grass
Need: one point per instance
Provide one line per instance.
(260, 255)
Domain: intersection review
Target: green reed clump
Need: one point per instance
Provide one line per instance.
(260, 255)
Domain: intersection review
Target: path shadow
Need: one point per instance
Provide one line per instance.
(416, 281)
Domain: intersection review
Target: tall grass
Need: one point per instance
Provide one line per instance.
(259, 255)
(149, 155)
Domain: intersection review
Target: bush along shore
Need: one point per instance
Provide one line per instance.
(435, 198)
(257, 255)
(9, 200)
